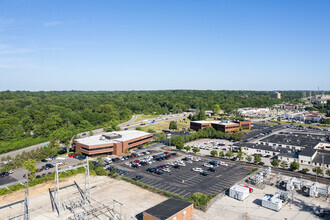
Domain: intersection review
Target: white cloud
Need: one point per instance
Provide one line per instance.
(53, 23)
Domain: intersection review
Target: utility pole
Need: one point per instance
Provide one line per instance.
(26, 201)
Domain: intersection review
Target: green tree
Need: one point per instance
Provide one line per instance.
(317, 170)
(91, 133)
(187, 148)
(229, 154)
(305, 170)
(275, 163)
(216, 109)
(240, 155)
(30, 167)
(196, 149)
(161, 137)
(214, 153)
(294, 165)
(249, 158)
(139, 128)
(328, 172)
(283, 165)
(257, 158)
(173, 125)
(179, 146)
(222, 154)
(177, 140)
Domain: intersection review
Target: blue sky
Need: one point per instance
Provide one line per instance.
(158, 44)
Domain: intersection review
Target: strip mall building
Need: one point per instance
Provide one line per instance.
(115, 143)
(225, 127)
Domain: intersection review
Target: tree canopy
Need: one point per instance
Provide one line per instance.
(59, 114)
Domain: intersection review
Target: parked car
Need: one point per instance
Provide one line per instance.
(204, 174)
(138, 177)
(197, 169)
(167, 170)
(211, 169)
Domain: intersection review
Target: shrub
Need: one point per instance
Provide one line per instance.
(200, 199)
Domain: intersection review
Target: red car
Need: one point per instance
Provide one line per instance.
(167, 153)
(72, 155)
(250, 189)
(137, 161)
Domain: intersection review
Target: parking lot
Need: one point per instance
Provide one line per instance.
(184, 181)
(19, 173)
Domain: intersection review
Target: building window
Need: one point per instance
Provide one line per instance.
(302, 161)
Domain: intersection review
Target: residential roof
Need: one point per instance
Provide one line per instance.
(122, 136)
(168, 208)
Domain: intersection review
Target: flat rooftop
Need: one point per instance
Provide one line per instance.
(215, 122)
(168, 208)
(100, 139)
(296, 139)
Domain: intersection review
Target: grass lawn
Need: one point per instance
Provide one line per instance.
(6, 146)
(164, 125)
(144, 117)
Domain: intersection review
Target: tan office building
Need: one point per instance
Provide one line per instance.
(115, 143)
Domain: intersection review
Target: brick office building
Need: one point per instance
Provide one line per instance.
(224, 127)
(111, 143)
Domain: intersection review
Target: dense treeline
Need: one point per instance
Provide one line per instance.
(60, 115)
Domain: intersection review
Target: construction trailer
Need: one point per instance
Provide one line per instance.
(274, 202)
(239, 192)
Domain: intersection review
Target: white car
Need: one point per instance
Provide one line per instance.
(10, 171)
(223, 164)
(59, 163)
(207, 165)
(128, 163)
(189, 161)
(182, 164)
(166, 170)
(197, 169)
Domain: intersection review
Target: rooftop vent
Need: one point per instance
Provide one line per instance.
(111, 136)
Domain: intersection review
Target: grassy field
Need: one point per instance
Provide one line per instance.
(144, 117)
(164, 125)
(6, 146)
